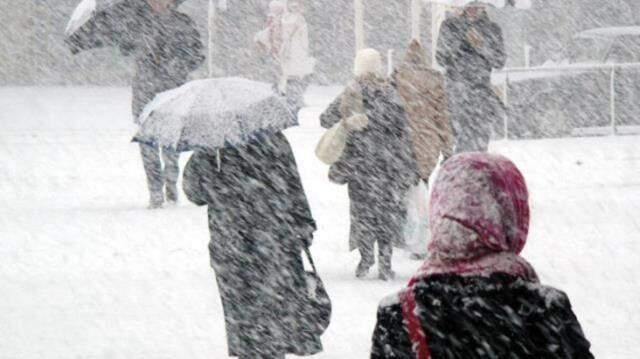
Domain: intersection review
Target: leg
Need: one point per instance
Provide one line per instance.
(367, 258)
(153, 169)
(171, 159)
(385, 252)
(296, 89)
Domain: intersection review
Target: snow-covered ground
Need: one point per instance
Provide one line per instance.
(87, 272)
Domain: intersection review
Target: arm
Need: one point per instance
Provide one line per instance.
(572, 336)
(301, 211)
(443, 118)
(446, 45)
(339, 173)
(188, 50)
(352, 102)
(390, 338)
(331, 115)
(195, 178)
(493, 49)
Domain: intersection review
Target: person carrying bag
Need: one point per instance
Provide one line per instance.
(334, 141)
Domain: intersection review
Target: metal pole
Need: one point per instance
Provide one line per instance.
(612, 88)
(416, 14)
(359, 24)
(212, 34)
(390, 62)
(506, 106)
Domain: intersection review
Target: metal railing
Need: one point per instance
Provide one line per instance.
(577, 68)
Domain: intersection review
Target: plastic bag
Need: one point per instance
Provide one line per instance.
(416, 229)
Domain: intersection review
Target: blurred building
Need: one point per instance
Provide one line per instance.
(32, 49)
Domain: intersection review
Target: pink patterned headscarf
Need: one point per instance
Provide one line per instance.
(479, 217)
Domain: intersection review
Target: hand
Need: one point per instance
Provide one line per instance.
(474, 38)
(356, 122)
(305, 239)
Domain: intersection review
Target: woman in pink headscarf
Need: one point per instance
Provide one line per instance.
(475, 296)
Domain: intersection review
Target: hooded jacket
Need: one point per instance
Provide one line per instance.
(475, 296)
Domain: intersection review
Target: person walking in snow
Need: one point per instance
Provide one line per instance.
(422, 90)
(167, 48)
(475, 296)
(469, 47)
(286, 40)
(378, 164)
(260, 223)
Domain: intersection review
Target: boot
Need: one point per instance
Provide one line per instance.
(386, 274)
(156, 200)
(363, 269)
(172, 193)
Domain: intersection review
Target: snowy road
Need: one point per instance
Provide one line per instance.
(87, 272)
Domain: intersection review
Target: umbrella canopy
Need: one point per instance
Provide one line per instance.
(99, 23)
(213, 114)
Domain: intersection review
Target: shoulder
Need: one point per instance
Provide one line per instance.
(390, 300)
(550, 297)
(493, 26)
(183, 19)
(450, 22)
(390, 310)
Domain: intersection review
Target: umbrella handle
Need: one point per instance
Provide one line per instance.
(219, 161)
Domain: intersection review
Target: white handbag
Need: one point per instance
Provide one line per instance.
(332, 143)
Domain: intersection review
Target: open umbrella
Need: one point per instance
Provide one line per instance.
(213, 114)
(100, 23)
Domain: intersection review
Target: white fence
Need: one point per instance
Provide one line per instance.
(503, 77)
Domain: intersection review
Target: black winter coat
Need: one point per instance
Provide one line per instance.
(379, 166)
(462, 61)
(167, 49)
(259, 221)
(479, 317)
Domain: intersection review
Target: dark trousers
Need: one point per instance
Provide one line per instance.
(385, 252)
(157, 176)
(474, 112)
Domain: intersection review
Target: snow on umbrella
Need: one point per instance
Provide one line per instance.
(99, 23)
(213, 114)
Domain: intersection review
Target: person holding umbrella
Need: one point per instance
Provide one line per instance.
(470, 46)
(260, 223)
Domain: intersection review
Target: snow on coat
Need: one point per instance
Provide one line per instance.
(475, 296)
(464, 62)
(483, 317)
(378, 163)
(474, 106)
(260, 221)
(167, 50)
(422, 90)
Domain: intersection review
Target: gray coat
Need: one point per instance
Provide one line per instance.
(474, 106)
(167, 50)
(259, 221)
(379, 166)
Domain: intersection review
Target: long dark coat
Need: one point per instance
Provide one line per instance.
(474, 106)
(167, 49)
(259, 221)
(379, 166)
(483, 317)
